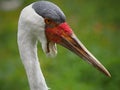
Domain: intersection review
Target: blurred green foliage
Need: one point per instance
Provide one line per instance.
(97, 25)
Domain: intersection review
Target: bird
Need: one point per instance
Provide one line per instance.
(45, 22)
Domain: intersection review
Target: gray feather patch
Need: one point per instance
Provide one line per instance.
(49, 10)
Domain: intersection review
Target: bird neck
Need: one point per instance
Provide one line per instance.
(28, 52)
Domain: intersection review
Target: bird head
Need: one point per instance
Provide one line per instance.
(57, 31)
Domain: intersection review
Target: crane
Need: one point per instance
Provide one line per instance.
(45, 22)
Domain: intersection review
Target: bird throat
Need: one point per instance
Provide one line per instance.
(51, 49)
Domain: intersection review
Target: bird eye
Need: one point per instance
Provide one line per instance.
(48, 21)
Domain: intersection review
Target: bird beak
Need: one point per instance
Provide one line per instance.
(63, 35)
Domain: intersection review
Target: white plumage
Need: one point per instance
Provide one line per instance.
(30, 30)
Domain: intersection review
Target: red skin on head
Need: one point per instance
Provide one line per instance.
(54, 34)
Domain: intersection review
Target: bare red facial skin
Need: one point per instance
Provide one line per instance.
(54, 34)
(66, 28)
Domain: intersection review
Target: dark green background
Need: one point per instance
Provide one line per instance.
(97, 25)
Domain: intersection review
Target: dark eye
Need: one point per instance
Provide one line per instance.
(48, 21)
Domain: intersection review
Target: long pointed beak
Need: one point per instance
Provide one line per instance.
(74, 45)
(67, 39)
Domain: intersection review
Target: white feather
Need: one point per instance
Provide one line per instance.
(30, 28)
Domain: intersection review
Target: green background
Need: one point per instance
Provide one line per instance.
(97, 25)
